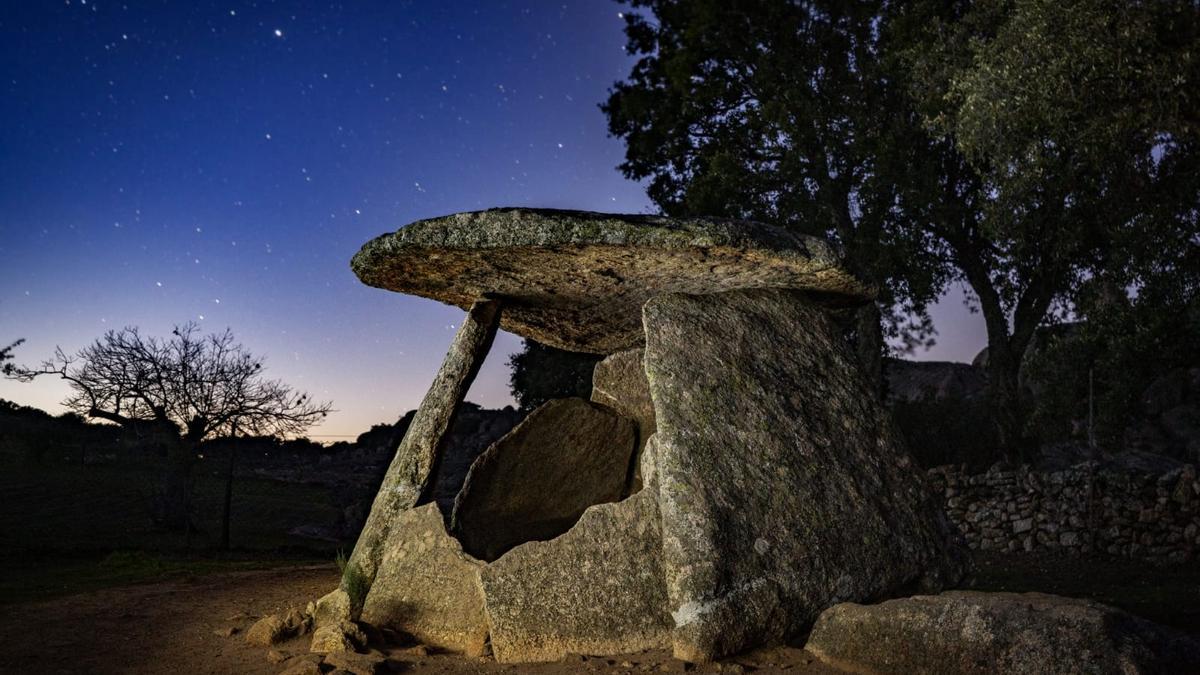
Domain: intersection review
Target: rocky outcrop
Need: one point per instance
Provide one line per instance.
(598, 589)
(337, 636)
(534, 483)
(783, 488)
(427, 586)
(970, 632)
(933, 380)
(1170, 416)
(276, 628)
(577, 280)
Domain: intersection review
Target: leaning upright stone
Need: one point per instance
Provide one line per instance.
(783, 486)
(410, 470)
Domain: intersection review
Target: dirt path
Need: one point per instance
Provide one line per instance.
(174, 627)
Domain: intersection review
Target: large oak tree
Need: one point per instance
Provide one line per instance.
(783, 112)
(1021, 147)
(1074, 128)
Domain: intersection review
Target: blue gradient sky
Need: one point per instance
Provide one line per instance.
(162, 162)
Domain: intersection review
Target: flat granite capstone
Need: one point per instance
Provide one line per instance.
(577, 280)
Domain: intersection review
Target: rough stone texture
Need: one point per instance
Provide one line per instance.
(427, 586)
(343, 636)
(619, 382)
(409, 472)
(474, 431)
(1080, 510)
(331, 608)
(268, 631)
(534, 483)
(578, 280)
(598, 589)
(783, 486)
(971, 632)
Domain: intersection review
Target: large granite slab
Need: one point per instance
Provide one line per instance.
(783, 486)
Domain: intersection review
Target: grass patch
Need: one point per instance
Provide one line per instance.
(42, 578)
(99, 509)
(354, 582)
(69, 528)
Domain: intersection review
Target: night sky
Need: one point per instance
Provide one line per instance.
(162, 162)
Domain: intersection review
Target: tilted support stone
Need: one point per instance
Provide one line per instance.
(408, 475)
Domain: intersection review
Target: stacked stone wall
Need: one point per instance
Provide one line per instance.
(1078, 511)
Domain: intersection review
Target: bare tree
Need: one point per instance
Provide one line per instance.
(187, 388)
(6, 355)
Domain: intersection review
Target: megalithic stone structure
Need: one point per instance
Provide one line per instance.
(731, 477)
(407, 477)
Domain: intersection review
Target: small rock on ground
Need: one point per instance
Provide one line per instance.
(342, 636)
(267, 631)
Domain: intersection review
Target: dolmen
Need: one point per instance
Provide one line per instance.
(731, 477)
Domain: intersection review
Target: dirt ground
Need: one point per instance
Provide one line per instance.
(177, 626)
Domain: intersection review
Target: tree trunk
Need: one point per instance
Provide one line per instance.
(177, 487)
(1003, 367)
(228, 490)
(869, 346)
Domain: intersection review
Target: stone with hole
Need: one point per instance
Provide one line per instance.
(534, 483)
(598, 589)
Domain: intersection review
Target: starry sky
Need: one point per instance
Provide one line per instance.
(220, 162)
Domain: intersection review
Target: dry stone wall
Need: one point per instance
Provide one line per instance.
(1077, 511)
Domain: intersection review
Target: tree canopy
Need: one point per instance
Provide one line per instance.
(540, 373)
(1022, 147)
(783, 112)
(6, 355)
(1077, 125)
(196, 385)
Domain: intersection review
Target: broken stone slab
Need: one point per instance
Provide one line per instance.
(598, 589)
(407, 476)
(619, 382)
(535, 482)
(971, 632)
(267, 631)
(343, 636)
(783, 486)
(427, 587)
(577, 280)
(276, 628)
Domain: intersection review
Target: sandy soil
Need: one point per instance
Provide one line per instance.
(178, 627)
